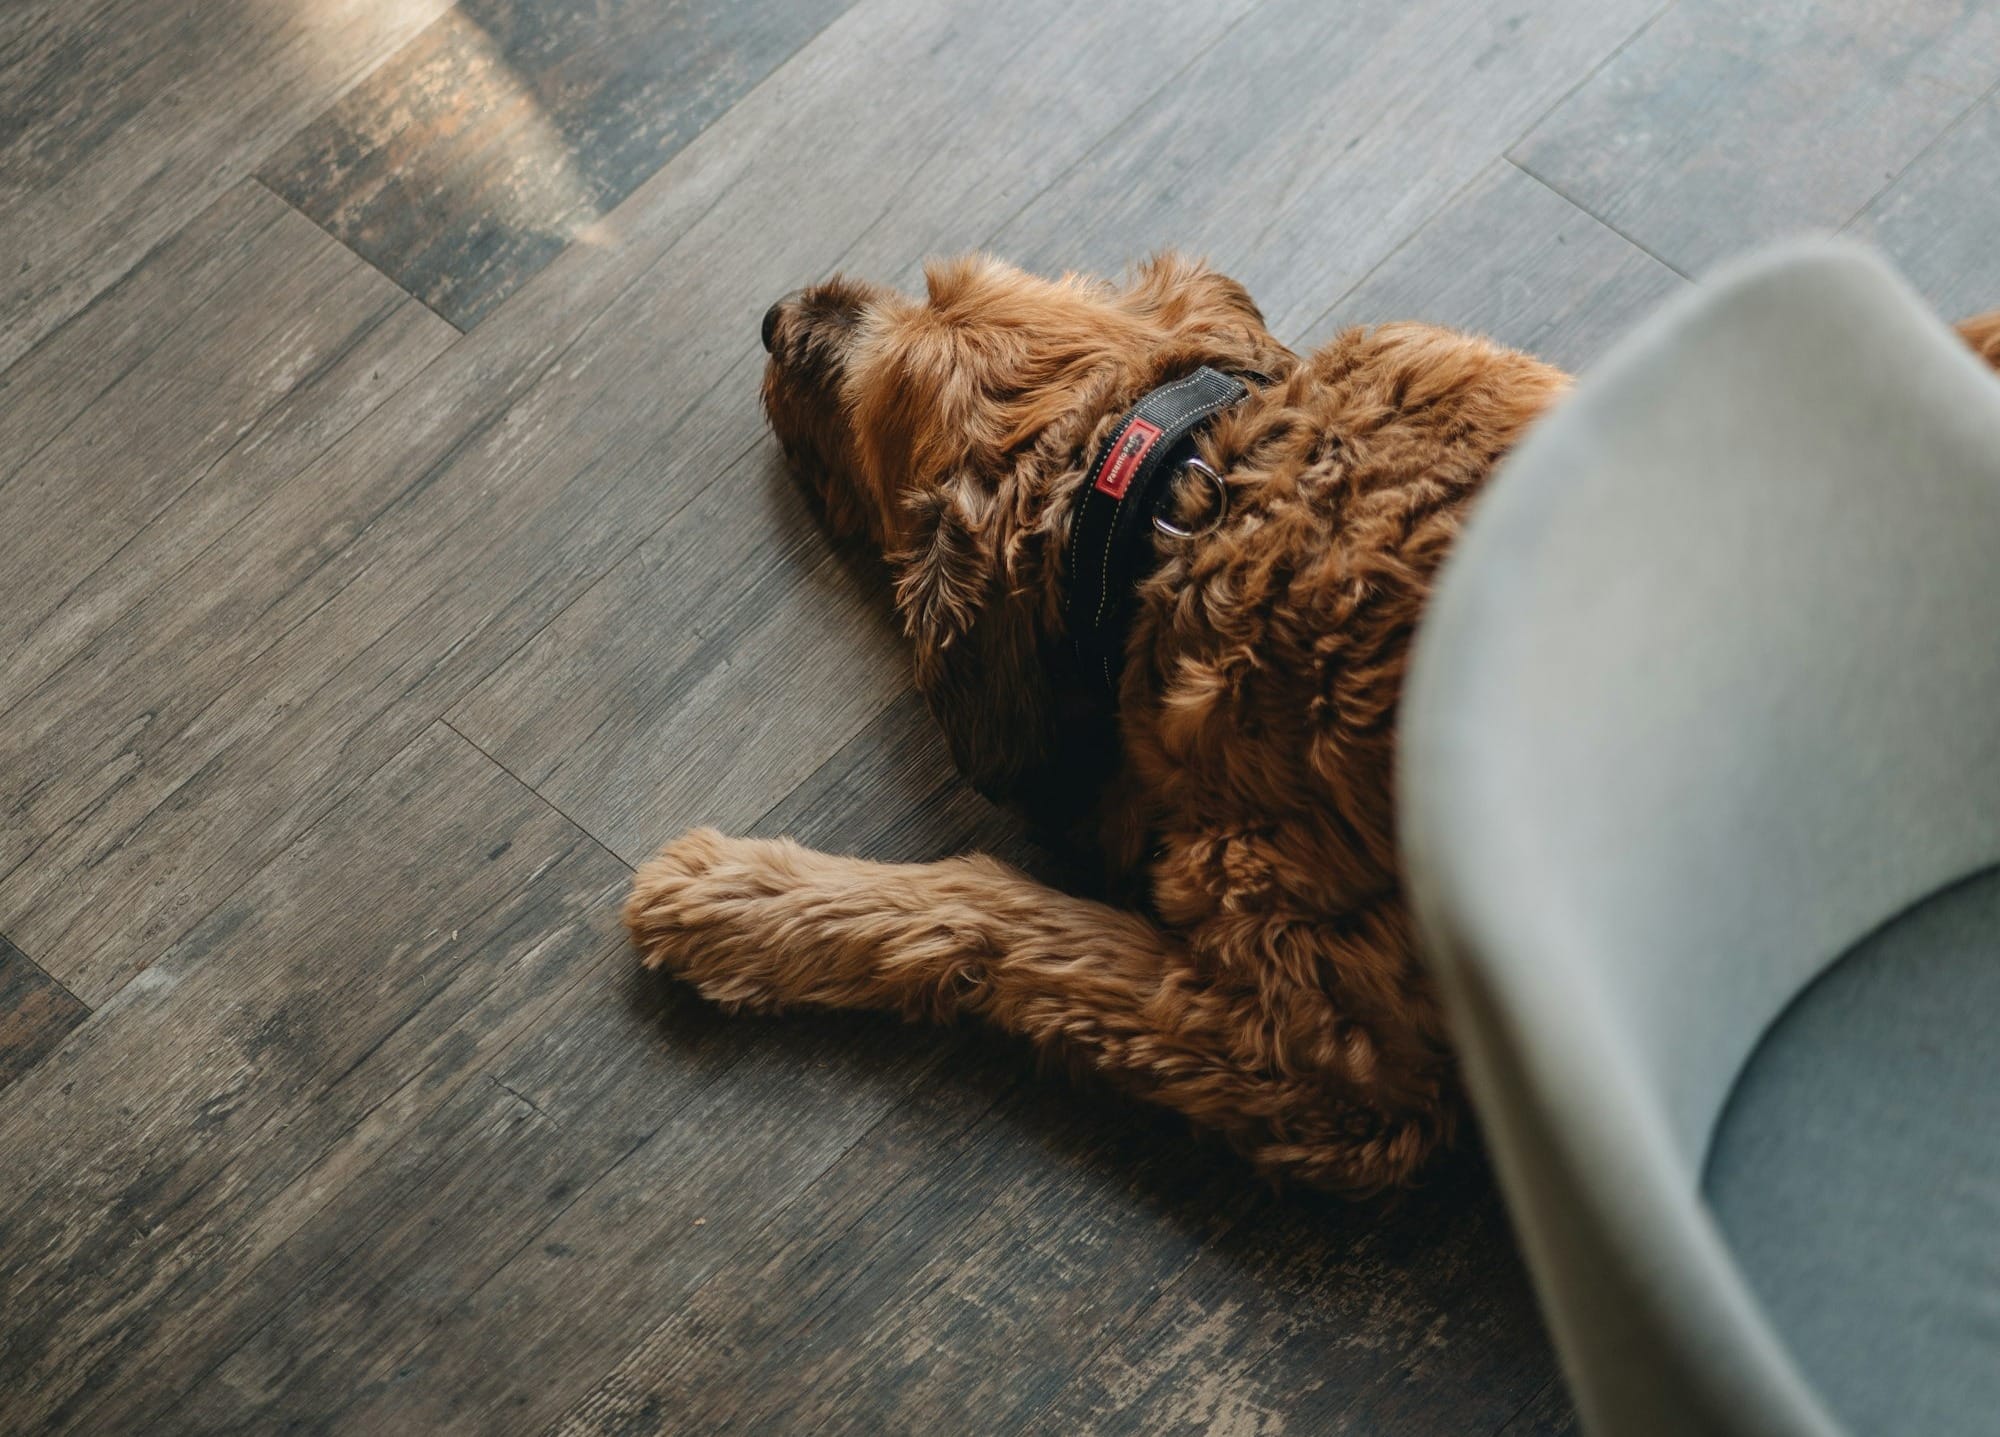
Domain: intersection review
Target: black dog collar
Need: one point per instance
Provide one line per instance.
(1110, 541)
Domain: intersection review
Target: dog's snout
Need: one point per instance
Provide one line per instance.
(771, 317)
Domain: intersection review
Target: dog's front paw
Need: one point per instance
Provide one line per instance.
(700, 908)
(674, 896)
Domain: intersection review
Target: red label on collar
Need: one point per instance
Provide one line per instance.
(1133, 446)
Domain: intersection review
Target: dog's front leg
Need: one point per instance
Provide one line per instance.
(759, 923)
(766, 923)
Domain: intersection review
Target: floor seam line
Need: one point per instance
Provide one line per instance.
(1597, 218)
(256, 178)
(1950, 128)
(1504, 156)
(540, 797)
(1529, 1401)
(1507, 150)
(26, 957)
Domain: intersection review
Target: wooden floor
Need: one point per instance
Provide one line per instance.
(391, 556)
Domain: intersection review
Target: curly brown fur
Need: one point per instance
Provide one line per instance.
(1262, 979)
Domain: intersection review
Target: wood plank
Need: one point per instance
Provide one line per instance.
(691, 669)
(36, 1013)
(1512, 259)
(614, 1159)
(946, 1276)
(207, 1112)
(1307, 145)
(1314, 1317)
(504, 132)
(236, 703)
(1548, 1415)
(128, 118)
(1727, 125)
(1938, 220)
(398, 1333)
(161, 414)
(543, 1214)
(892, 794)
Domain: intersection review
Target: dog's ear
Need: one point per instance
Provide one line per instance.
(978, 662)
(1174, 290)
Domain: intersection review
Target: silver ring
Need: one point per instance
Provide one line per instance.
(1174, 531)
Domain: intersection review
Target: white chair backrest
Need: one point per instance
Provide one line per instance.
(1709, 688)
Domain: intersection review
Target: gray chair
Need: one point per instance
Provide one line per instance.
(1701, 803)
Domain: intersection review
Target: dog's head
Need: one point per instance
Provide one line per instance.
(951, 430)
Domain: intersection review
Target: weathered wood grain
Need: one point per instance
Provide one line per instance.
(1304, 147)
(605, 1211)
(947, 1276)
(36, 1013)
(1511, 259)
(633, 1160)
(1548, 1415)
(1725, 125)
(1938, 221)
(1308, 1316)
(679, 688)
(891, 793)
(207, 1112)
(611, 1159)
(657, 1227)
(162, 413)
(124, 119)
(598, 1171)
(506, 130)
(240, 700)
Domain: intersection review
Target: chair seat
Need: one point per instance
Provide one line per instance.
(1856, 1172)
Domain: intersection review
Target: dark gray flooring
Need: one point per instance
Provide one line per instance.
(391, 555)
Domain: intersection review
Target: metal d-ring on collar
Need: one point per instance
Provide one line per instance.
(1174, 531)
(1119, 510)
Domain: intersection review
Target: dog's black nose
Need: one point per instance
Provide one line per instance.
(771, 317)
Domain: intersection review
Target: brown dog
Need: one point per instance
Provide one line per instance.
(1259, 973)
